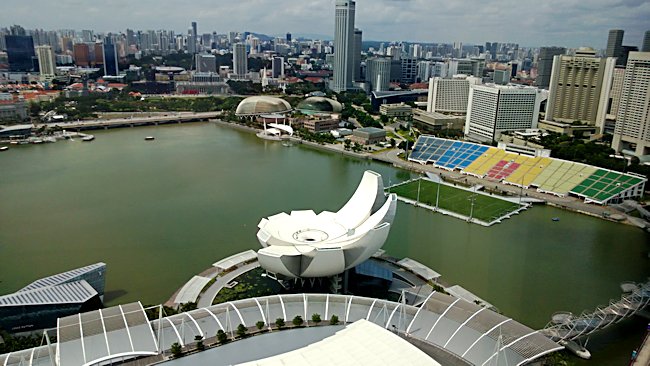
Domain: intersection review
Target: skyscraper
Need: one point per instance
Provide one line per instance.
(615, 45)
(450, 95)
(277, 67)
(645, 47)
(110, 59)
(288, 38)
(192, 39)
(356, 56)
(633, 121)
(81, 54)
(545, 65)
(378, 73)
(20, 51)
(343, 45)
(579, 88)
(239, 59)
(46, 62)
(492, 109)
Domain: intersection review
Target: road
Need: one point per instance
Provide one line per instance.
(208, 296)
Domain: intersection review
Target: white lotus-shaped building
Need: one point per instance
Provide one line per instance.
(306, 244)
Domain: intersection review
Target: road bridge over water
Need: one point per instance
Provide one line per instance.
(133, 121)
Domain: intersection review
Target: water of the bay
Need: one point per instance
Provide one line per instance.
(158, 212)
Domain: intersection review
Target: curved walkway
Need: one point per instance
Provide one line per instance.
(208, 296)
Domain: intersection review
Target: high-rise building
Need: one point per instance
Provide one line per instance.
(46, 63)
(493, 109)
(192, 39)
(239, 59)
(81, 54)
(97, 54)
(356, 56)
(206, 63)
(545, 65)
(645, 47)
(110, 59)
(615, 45)
(288, 38)
(632, 131)
(615, 93)
(579, 88)
(277, 67)
(20, 52)
(378, 73)
(450, 95)
(409, 70)
(343, 45)
(425, 69)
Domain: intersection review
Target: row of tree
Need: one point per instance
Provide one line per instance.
(242, 332)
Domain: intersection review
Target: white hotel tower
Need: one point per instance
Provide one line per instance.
(343, 45)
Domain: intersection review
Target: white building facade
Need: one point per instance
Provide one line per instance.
(343, 45)
(493, 109)
(632, 131)
(450, 95)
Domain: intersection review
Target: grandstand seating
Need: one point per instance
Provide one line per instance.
(529, 170)
(561, 176)
(549, 175)
(603, 184)
(482, 165)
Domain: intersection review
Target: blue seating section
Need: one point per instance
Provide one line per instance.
(447, 154)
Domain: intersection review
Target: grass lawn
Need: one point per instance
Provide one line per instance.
(456, 200)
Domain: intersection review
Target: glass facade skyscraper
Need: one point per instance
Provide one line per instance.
(21, 54)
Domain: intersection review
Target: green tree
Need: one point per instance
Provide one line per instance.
(297, 321)
(347, 144)
(334, 320)
(279, 322)
(241, 330)
(315, 318)
(260, 324)
(199, 342)
(187, 307)
(222, 337)
(177, 350)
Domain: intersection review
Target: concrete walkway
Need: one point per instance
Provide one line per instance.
(208, 296)
(643, 357)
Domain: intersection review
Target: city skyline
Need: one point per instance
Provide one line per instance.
(529, 23)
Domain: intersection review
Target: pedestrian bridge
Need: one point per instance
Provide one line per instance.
(566, 326)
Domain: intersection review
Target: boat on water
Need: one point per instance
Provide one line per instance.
(555, 219)
(37, 141)
(149, 138)
(4, 148)
(575, 348)
(88, 138)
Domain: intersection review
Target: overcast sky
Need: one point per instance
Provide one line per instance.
(570, 23)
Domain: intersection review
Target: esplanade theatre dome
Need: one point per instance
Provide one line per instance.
(314, 105)
(255, 106)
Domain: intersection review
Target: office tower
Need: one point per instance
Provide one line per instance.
(206, 63)
(492, 109)
(378, 73)
(425, 69)
(579, 88)
(633, 121)
(97, 54)
(615, 45)
(501, 77)
(545, 65)
(343, 45)
(192, 39)
(20, 52)
(81, 54)
(450, 95)
(645, 47)
(239, 59)
(625, 50)
(615, 93)
(110, 58)
(458, 49)
(288, 38)
(46, 63)
(277, 67)
(356, 55)
(409, 70)
(439, 69)
(416, 51)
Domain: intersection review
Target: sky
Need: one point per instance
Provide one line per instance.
(569, 23)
